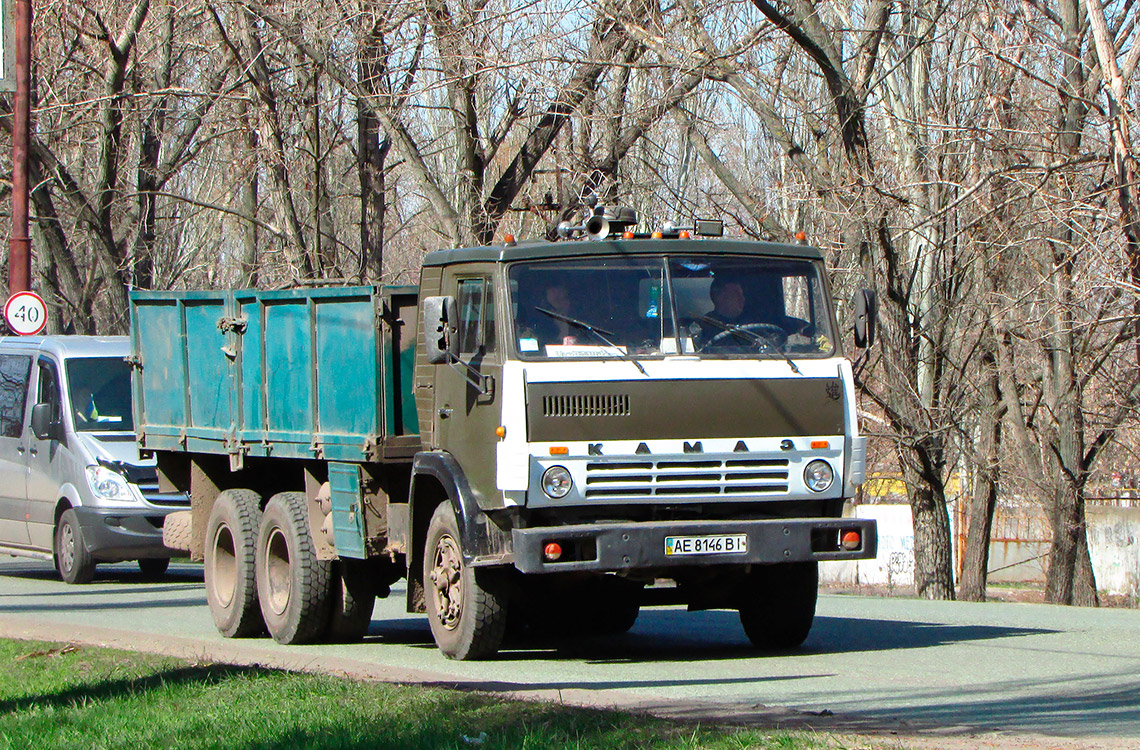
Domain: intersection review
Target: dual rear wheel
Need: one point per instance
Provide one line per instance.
(263, 574)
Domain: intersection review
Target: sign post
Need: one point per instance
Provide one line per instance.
(19, 244)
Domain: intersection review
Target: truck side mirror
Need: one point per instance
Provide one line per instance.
(440, 317)
(43, 427)
(866, 306)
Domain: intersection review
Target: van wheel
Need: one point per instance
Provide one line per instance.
(72, 560)
(466, 607)
(293, 586)
(780, 604)
(153, 567)
(231, 544)
(353, 599)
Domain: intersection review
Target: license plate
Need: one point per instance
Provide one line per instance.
(716, 544)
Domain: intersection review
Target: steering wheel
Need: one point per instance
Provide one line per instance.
(767, 335)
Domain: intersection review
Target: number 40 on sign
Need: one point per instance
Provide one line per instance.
(25, 313)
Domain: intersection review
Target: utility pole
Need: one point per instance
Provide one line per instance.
(19, 244)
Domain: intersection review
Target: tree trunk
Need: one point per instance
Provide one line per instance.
(372, 154)
(1069, 579)
(933, 545)
(249, 199)
(983, 499)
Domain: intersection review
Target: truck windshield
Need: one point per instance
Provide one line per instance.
(712, 306)
(100, 393)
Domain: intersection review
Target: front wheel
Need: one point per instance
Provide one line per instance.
(293, 586)
(72, 560)
(779, 604)
(466, 607)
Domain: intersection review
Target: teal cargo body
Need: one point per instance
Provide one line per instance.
(306, 373)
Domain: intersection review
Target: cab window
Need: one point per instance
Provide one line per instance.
(476, 317)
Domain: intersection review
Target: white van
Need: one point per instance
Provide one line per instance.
(72, 487)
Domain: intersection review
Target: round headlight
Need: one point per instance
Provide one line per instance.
(556, 482)
(818, 476)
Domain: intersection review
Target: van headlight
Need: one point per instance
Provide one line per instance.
(556, 482)
(109, 485)
(818, 475)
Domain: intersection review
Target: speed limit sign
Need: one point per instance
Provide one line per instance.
(26, 313)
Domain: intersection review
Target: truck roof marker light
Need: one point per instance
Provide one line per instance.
(509, 240)
(657, 235)
(820, 445)
(684, 235)
(851, 540)
(501, 431)
(627, 235)
(801, 236)
(559, 450)
(552, 551)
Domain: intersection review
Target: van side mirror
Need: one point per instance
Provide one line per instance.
(866, 306)
(43, 426)
(440, 318)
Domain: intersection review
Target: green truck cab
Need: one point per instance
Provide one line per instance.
(541, 437)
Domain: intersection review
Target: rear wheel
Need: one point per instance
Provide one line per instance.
(780, 604)
(293, 586)
(231, 544)
(466, 607)
(72, 560)
(353, 599)
(153, 568)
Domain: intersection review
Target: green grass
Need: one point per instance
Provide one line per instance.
(59, 696)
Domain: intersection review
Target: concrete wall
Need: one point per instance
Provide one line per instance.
(1018, 550)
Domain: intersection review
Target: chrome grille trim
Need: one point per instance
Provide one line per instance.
(680, 479)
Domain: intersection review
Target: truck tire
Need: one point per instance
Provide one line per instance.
(178, 530)
(153, 568)
(293, 586)
(72, 560)
(353, 599)
(466, 607)
(780, 604)
(231, 544)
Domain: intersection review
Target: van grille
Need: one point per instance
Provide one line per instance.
(631, 480)
(592, 405)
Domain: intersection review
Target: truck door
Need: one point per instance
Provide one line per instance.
(467, 397)
(15, 371)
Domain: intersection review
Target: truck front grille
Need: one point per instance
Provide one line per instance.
(631, 480)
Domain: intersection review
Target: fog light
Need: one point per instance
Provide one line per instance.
(552, 551)
(818, 476)
(556, 482)
(851, 540)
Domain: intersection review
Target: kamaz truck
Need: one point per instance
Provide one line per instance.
(542, 437)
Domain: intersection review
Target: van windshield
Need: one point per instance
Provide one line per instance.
(100, 394)
(711, 306)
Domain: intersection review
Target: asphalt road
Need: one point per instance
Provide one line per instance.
(965, 674)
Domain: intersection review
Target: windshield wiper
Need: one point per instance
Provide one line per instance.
(599, 332)
(754, 336)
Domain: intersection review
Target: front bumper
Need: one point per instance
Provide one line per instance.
(629, 546)
(113, 534)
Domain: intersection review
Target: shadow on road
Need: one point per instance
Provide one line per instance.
(679, 636)
(1080, 707)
